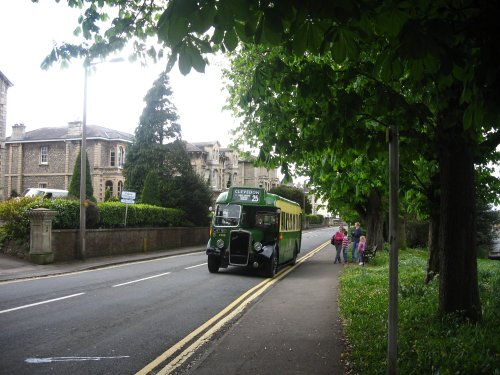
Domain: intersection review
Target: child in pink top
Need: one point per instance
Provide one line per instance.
(345, 245)
(361, 250)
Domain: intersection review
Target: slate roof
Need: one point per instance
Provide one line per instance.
(202, 144)
(61, 133)
(192, 148)
(5, 79)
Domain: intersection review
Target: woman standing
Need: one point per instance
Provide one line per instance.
(337, 242)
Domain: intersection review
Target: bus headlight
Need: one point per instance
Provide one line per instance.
(257, 246)
(220, 243)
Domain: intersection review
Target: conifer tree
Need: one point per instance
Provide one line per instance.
(158, 156)
(157, 126)
(74, 186)
(151, 191)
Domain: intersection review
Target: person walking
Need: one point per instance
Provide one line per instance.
(345, 245)
(337, 242)
(356, 234)
(361, 250)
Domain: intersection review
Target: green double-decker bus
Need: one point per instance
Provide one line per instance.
(254, 229)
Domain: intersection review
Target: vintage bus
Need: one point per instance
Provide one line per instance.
(254, 229)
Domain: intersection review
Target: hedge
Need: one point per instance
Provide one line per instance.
(14, 214)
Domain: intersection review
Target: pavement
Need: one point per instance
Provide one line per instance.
(293, 328)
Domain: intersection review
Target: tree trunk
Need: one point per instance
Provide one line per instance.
(433, 240)
(433, 244)
(458, 289)
(374, 223)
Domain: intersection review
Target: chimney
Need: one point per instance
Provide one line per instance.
(75, 129)
(18, 131)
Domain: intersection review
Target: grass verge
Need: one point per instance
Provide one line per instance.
(427, 344)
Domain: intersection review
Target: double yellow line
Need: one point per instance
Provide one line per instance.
(209, 328)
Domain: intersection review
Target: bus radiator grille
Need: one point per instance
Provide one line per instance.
(238, 248)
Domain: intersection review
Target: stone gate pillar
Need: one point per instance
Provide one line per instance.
(41, 235)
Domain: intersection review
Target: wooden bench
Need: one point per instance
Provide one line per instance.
(370, 253)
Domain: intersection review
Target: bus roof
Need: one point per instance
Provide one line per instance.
(255, 197)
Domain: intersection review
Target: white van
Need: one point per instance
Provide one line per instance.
(43, 192)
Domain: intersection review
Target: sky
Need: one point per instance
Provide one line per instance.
(40, 98)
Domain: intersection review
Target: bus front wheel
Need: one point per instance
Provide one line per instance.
(272, 265)
(213, 263)
(295, 253)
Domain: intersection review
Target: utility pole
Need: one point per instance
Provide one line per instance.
(393, 140)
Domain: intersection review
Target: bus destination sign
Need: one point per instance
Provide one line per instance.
(246, 195)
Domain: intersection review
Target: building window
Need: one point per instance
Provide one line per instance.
(215, 180)
(121, 156)
(44, 155)
(112, 156)
(42, 185)
(120, 188)
(108, 190)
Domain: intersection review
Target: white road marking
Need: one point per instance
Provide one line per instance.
(198, 265)
(139, 280)
(40, 303)
(70, 359)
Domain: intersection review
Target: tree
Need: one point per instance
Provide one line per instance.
(151, 191)
(442, 55)
(432, 50)
(288, 108)
(157, 126)
(157, 162)
(74, 185)
(188, 192)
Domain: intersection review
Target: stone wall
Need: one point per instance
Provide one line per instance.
(105, 242)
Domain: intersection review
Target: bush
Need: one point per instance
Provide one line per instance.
(417, 234)
(315, 219)
(139, 215)
(14, 214)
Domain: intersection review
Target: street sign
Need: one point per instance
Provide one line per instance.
(128, 195)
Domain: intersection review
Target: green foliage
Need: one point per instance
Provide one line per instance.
(92, 215)
(14, 214)
(315, 219)
(426, 343)
(140, 215)
(417, 234)
(107, 194)
(157, 126)
(161, 170)
(151, 192)
(294, 194)
(68, 216)
(74, 185)
(190, 193)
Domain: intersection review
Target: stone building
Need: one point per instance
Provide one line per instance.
(223, 168)
(4, 86)
(46, 157)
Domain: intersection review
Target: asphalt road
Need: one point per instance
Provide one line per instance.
(115, 320)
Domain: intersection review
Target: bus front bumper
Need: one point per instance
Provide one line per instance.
(254, 259)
